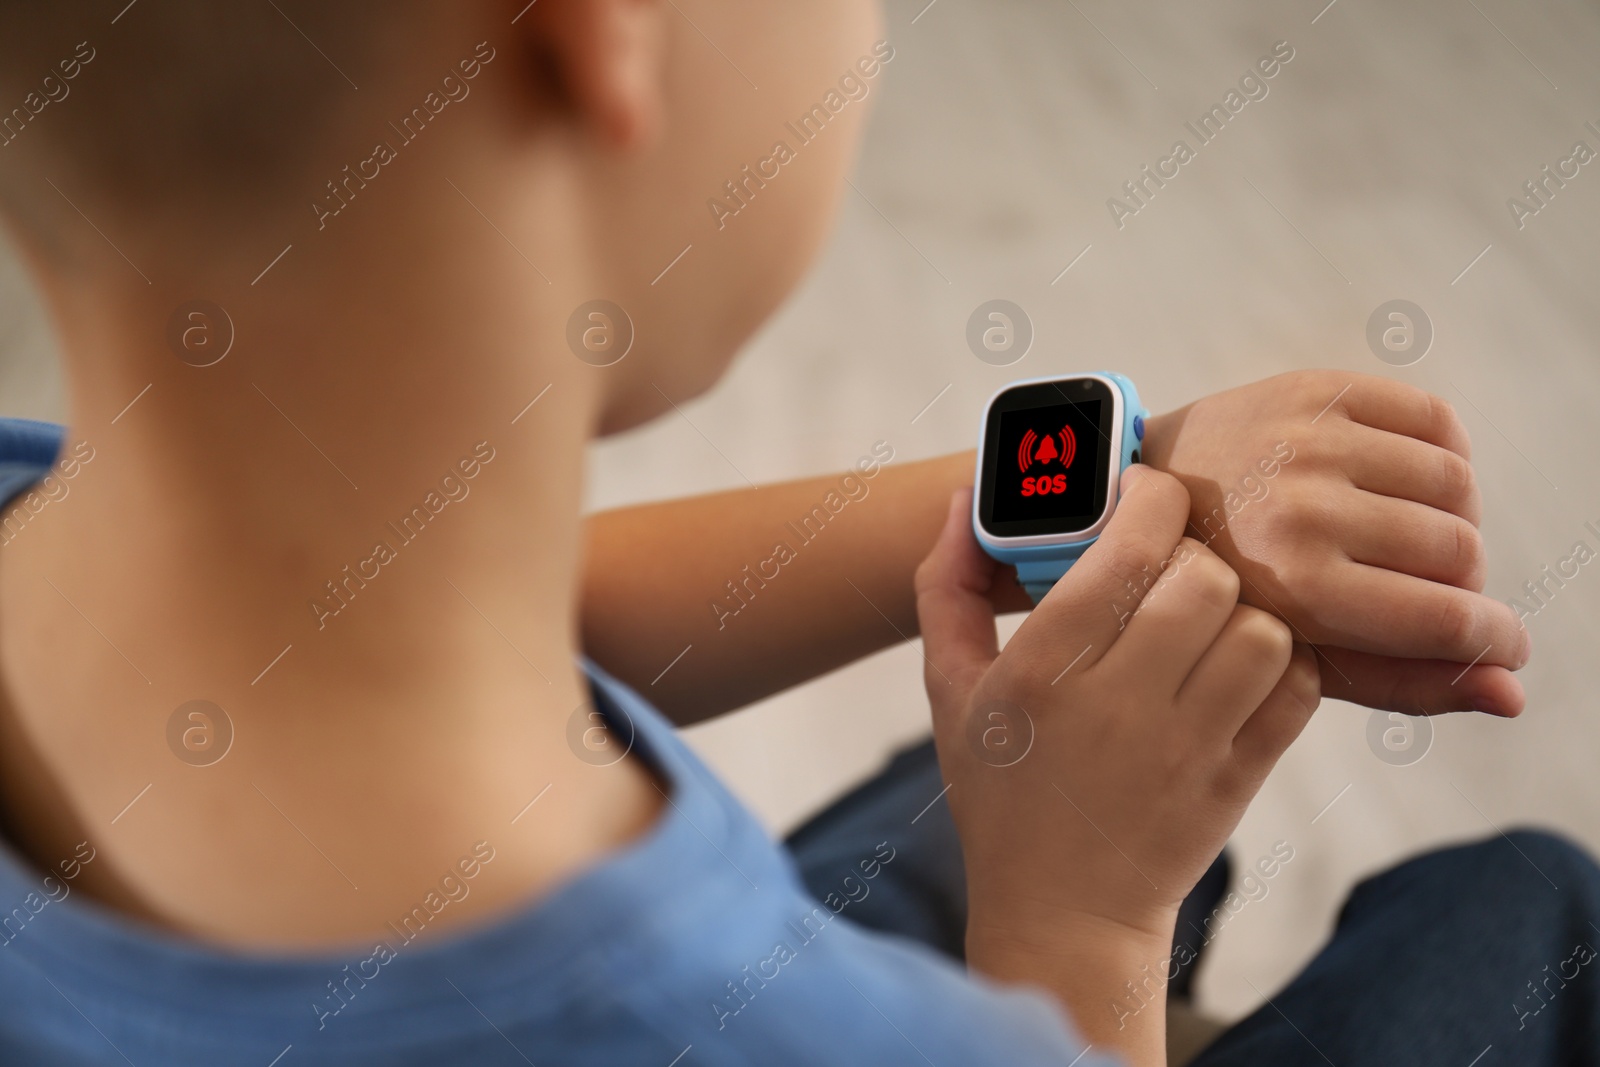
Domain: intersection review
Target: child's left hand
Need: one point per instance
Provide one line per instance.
(1347, 506)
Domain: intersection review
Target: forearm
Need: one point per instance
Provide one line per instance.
(765, 588)
(704, 574)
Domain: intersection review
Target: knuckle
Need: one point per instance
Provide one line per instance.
(1300, 576)
(1132, 561)
(1307, 513)
(1188, 549)
(1470, 562)
(1456, 625)
(1455, 478)
(1264, 633)
(1315, 381)
(1022, 675)
(1027, 678)
(1445, 422)
(1304, 682)
(1023, 687)
(1206, 577)
(1305, 586)
(929, 580)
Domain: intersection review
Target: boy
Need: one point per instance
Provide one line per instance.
(321, 783)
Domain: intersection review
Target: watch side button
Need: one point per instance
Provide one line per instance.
(1138, 427)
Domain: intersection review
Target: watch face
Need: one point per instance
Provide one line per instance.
(1047, 452)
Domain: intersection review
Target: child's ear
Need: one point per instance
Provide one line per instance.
(608, 58)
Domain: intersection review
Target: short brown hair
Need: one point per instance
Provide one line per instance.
(140, 106)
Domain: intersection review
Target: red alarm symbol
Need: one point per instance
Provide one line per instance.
(1036, 449)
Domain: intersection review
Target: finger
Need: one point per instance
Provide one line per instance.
(1413, 686)
(1239, 669)
(1180, 619)
(1370, 609)
(953, 609)
(1391, 464)
(1084, 614)
(1384, 404)
(1273, 726)
(1411, 538)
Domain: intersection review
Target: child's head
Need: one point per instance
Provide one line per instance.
(167, 150)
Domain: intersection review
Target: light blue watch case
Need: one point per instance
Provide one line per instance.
(1041, 559)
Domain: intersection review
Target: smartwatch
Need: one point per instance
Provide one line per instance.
(1051, 452)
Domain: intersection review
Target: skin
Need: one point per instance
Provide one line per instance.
(1365, 543)
(436, 704)
(1149, 733)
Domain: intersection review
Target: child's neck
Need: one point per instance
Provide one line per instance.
(353, 536)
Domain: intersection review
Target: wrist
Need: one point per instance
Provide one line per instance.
(1160, 432)
(1008, 932)
(1110, 976)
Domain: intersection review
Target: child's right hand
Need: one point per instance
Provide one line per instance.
(1098, 765)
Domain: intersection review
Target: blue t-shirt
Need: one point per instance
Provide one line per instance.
(692, 946)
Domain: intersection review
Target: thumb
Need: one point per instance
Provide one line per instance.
(954, 611)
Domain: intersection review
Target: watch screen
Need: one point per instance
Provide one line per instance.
(1047, 451)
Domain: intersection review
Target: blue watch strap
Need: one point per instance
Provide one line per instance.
(1038, 575)
(1038, 578)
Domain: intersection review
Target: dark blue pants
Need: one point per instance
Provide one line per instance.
(1479, 955)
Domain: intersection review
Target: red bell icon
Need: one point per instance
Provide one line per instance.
(1027, 455)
